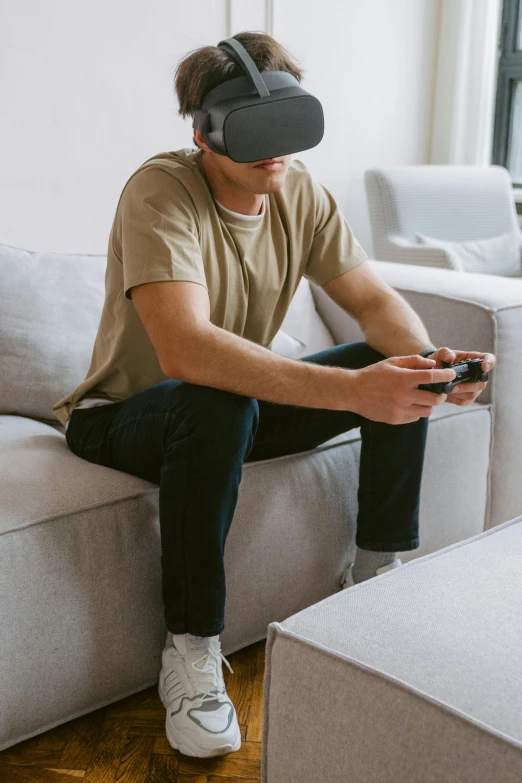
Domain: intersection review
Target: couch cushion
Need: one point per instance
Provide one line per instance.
(51, 309)
(500, 255)
(63, 483)
(303, 331)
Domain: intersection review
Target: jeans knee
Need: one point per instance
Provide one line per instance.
(222, 415)
(355, 355)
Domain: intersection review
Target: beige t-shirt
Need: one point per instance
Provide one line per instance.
(168, 226)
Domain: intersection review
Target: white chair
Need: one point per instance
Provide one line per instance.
(451, 203)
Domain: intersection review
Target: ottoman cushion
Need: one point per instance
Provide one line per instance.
(414, 675)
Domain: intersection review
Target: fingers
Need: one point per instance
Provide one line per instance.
(412, 362)
(462, 399)
(446, 354)
(469, 388)
(420, 411)
(424, 411)
(436, 375)
(424, 398)
(489, 360)
(462, 394)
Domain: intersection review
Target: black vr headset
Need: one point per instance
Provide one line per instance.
(258, 116)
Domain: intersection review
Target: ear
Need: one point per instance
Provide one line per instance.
(199, 140)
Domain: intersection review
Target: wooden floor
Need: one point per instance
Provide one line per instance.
(126, 742)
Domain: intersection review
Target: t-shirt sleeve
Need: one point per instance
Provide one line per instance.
(158, 231)
(334, 247)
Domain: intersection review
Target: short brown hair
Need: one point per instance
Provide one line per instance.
(203, 69)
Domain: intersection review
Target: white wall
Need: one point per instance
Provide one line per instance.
(86, 95)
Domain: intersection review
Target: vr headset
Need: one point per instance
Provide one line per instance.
(258, 116)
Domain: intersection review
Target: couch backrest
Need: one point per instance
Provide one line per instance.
(450, 202)
(50, 310)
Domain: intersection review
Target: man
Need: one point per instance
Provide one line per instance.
(204, 257)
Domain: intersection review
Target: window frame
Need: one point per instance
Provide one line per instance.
(508, 73)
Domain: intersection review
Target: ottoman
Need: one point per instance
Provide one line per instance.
(412, 676)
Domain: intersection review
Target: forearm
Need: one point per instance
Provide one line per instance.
(218, 358)
(394, 329)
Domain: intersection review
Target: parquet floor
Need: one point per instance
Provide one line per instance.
(125, 742)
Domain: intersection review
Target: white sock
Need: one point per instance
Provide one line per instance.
(189, 642)
(367, 562)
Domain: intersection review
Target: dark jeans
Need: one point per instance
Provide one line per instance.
(192, 440)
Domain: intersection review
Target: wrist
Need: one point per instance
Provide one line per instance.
(344, 388)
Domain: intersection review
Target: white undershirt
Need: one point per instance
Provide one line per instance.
(92, 402)
(239, 214)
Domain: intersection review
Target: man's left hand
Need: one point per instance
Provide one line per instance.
(464, 393)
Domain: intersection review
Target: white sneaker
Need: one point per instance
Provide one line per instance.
(201, 720)
(347, 579)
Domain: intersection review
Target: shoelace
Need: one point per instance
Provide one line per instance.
(211, 659)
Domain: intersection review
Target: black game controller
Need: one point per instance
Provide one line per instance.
(468, 371)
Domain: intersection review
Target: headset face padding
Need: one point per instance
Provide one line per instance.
(238, 121)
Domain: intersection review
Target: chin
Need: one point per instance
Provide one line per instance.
(276, 186)
(273, 184)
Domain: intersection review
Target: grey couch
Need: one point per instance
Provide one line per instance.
(81, 616)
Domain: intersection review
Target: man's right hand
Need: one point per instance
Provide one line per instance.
(387, 390)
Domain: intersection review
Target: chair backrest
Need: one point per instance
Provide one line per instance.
(455, 203)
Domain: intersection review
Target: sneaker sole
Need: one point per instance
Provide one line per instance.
(189, 750)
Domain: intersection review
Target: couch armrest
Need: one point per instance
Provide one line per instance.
(473, 312)
(401, 250)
